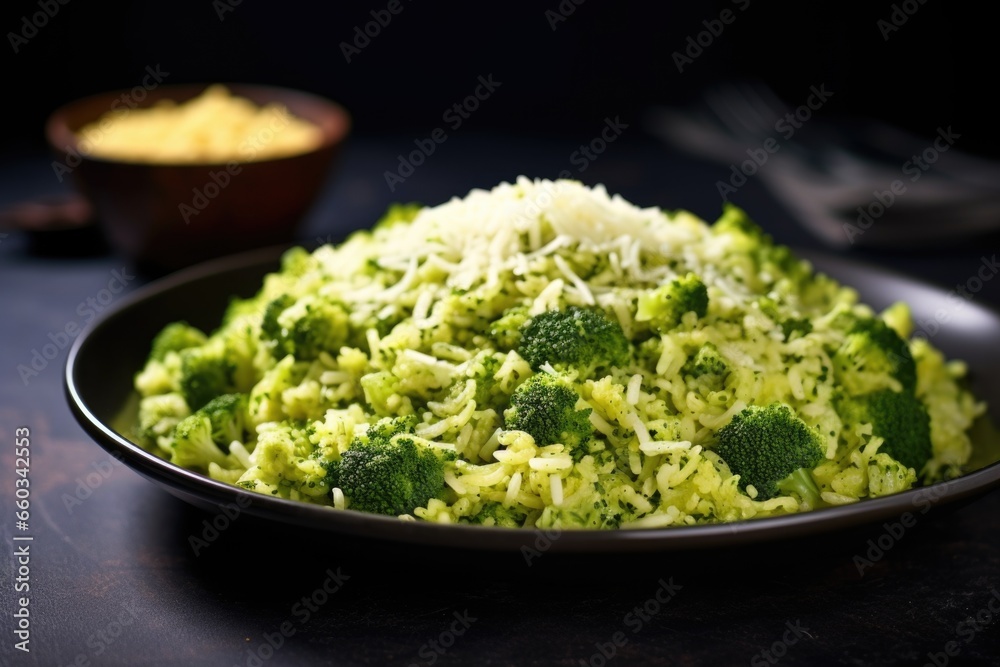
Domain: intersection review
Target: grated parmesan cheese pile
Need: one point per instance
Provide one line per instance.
(423, 296)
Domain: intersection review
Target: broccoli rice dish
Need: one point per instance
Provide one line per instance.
(544, 354)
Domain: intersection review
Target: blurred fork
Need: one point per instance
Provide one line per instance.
(823, 174)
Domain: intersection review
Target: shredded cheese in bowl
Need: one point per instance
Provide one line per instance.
(214, 127)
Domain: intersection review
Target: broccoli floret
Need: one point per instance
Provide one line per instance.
(383, 394)
(269, 327)
(899, 418)
(203, 437)
(489, 391)
(193, 445)
(774, 263)
(159, 414)
(664, 307)
(304, 328)
(495, 514)
(242, 309)
(206, 372)
(388, 471)
(383, 431)
(799, 325)
(506, 331)
(871, 354)
(175, 337)
(576, 337)
(773, 450)
(544, 406)
(398, 213)
(285, 463)
(297, 262)
(706, 361)
(228, 416)
(735, 219)
(789, 325)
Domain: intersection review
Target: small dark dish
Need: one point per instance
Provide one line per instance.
(104, 358)
(139, 205)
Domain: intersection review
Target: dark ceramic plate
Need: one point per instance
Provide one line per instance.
(104, 359)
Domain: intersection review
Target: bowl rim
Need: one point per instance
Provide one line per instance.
(352, 523)
(62, 139)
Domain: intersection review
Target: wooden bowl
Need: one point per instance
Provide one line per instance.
(168, 216)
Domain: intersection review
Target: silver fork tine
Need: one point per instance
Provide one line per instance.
(754, 94)
(719, 101)
(742, 107)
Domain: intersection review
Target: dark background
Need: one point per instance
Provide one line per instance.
(605, 58)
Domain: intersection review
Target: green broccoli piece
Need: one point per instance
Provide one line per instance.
(159, 414)
(297, 261)
(707, 361)
(799, 325)
(506, 330)
(489, 392)
(384, 430)
(664, 307)
(388, 472)
(789, 325)
(175, 337)
(735, 219)
(193, 445)
(398, 213)
(269, 327)
(229, 418)
(577, 337)
(206, 372)
(871, 352)
(383, 394)
(305, 327)
(899, 418)
(773, 450)
(242, 309)
(495, 514)
(544, 406)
